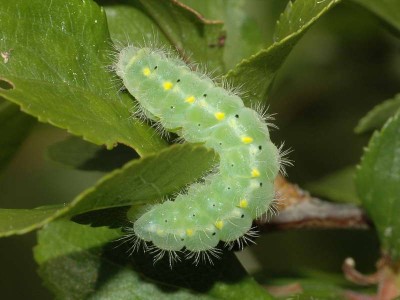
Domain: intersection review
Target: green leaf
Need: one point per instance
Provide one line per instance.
(388, 10)
(243, 33)
(57, 72)
(139, 182)
(148, 179)
(14, 127)
(378, 184)
(79, 154)
(256, 73)
(21, 221)
(376, 117)
(78, 262)
(194, 37)
(129, 24)
(338, 187)
(160, 23)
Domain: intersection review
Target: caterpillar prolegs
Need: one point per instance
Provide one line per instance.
(192, 105)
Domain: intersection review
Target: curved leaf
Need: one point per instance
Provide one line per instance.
(256, 73)
(21, 221)
(148, 179)
(159, 23)
(194, 37)
(56, 71)
(378, 184)
(130, 25)
(377, 116)
(138, 182)
(243, 33)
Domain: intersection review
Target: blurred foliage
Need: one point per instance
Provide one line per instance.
(319, 80)
(338, 186)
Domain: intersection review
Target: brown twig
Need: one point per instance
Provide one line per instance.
(298, 209)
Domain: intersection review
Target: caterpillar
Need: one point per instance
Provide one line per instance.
(192, 105)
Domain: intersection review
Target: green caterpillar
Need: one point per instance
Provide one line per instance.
(190, 104)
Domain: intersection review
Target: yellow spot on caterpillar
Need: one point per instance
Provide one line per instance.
(219, 224)
(219, 116)
(255, 173)
(243, 203)
(160, 232)
(189, 232)
(190, 99)
(247, 139)
(146, 72)
(167, 85)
